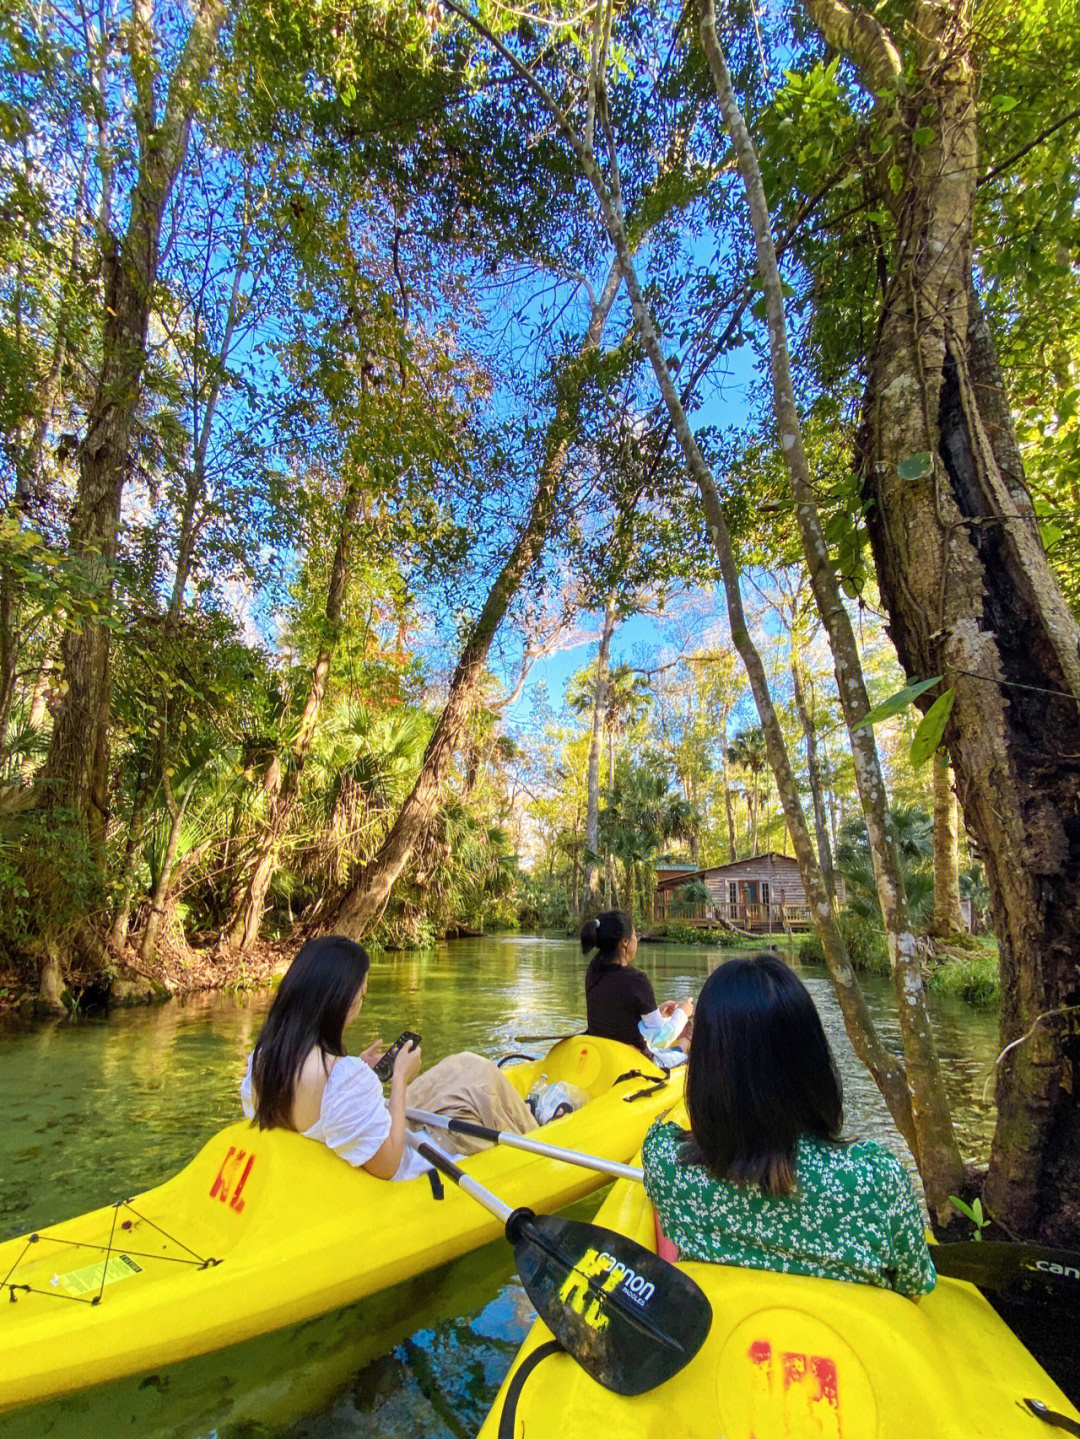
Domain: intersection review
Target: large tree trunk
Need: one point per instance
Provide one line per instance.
(195, 483)
(28, 469)
(367, 895)
(74, 775)
(970, 596)
(937, 1151)
(947, 919)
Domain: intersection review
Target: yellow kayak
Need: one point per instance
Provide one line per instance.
(795, 1358)
(261, 1230)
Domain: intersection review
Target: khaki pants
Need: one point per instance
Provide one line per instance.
(468, 1086)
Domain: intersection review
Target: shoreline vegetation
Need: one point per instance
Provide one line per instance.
(966, 968)
(969, 974)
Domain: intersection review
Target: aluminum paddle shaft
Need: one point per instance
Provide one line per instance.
(530, 1146)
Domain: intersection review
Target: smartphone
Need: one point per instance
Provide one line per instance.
(385, 1067)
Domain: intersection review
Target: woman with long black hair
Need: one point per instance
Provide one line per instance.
(762, 1178)
(619, 999)
(300, 1077)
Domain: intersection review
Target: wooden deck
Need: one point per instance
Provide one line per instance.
(755, 918)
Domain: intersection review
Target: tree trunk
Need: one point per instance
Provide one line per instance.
(596, 740)
(245, 928)
(74, 775)
(160, 898)
(947, 919)
(609, 874)
(937, 1152)
(970, 596)
(28, 469)
(813, 770)
(368, 893)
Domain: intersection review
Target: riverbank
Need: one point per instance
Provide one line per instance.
(966, 969)
(713, 938)
(124, 981)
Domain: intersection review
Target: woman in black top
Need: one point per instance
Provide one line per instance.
(617, 996)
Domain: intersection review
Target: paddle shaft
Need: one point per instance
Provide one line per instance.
(447, 1167)
(530, 1146)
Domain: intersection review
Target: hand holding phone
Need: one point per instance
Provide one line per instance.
(385, 1067)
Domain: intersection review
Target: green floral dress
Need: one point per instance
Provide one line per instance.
(853, 1214)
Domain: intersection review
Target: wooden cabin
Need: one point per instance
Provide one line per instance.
(763, 894)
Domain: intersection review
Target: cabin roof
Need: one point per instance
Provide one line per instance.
(672, 881)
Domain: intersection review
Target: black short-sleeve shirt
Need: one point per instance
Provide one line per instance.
(616, 996)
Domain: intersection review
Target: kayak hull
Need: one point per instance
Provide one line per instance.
(795, 1358)
(263, 1229)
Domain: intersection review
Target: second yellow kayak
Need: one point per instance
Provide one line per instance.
(263, 1229)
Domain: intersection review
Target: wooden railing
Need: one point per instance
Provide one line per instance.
(760, 918)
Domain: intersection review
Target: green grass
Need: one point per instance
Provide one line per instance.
(974, 980)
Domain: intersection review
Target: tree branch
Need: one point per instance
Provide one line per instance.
(855, 33)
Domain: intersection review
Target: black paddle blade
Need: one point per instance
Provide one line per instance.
(995, 1264)
(630, 1319)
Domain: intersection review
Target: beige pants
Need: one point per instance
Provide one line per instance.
(468, 1086)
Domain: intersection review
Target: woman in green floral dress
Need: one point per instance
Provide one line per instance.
(762, 1178)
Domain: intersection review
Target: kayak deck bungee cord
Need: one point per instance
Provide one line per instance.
(263, 1229)
(795, 1358)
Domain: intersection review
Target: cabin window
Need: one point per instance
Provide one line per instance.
(733, 892)
(764, 891)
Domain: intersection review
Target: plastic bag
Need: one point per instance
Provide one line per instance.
(552, 1101)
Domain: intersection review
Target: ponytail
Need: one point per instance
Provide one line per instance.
(605, 933)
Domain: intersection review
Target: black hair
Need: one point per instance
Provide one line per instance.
(605, 933)
(309, 1011)
(760, 1074)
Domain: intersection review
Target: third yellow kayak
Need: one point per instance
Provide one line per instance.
(795, 1358)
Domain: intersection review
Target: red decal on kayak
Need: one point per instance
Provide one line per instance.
(219, 1187)
(223, 1185)
(799, 1395)
(236, 1202)
(760, 1352)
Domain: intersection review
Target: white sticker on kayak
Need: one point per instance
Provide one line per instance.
(90, 1279)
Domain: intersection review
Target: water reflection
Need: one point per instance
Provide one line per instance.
(100, 1108)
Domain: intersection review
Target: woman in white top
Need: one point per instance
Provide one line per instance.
(299, 1076)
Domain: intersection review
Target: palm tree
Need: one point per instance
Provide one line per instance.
(915, 838)
(747, 751)
(644, 815)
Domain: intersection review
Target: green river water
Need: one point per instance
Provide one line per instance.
(97, 1109)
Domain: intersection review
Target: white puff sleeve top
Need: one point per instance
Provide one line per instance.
(353, 1119)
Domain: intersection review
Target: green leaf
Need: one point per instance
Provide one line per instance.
(1004, 102)
(915, 466)
(924, 135)
(896, 178)
(1050, 535)
(931, 728)
(897, 702)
